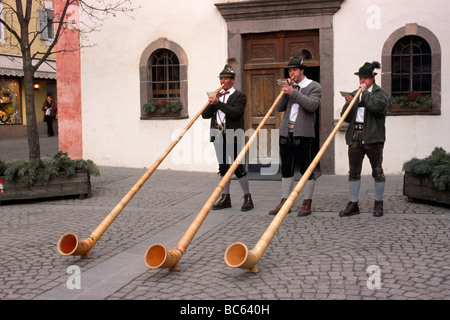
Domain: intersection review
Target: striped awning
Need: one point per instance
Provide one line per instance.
(12, 66)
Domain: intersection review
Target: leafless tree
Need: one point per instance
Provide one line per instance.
(24, 27)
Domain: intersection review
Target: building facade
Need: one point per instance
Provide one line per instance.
(147, 76)
(12, 98)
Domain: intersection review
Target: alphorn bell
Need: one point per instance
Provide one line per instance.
(69, 244)
(157, 255)
(237, 255)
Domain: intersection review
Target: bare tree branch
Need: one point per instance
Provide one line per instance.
(96, 11)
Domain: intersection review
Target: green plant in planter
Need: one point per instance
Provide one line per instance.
(149, 107)
(413, 99)
(437, 166)
(174, 106)
(64, 163)
(162, 105)
(39, 170)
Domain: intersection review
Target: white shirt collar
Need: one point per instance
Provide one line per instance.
(304, 83)
(230, 91)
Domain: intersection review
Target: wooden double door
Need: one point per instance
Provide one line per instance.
(266, 57)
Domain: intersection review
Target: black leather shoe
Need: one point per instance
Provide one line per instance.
(248, 203)
(351, 209)
(224, 202)
(378, 209)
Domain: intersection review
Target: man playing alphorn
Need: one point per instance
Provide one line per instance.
(226, 111)
(299, 104)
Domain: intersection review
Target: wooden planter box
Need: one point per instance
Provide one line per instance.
(157, 115)
(398, 108)
(421, 187)
(78, 184)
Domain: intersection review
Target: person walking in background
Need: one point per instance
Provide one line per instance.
(49, 107)
(299, 104)
(226, 111)
(365, 136)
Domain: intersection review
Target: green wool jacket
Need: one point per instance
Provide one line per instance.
(376, 103)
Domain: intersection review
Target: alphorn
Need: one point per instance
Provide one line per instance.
(237, 254)
(157, 255)
(69, 244)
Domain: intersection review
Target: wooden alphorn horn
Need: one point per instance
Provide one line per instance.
(157, 255)
(237, 254)
(70, 245)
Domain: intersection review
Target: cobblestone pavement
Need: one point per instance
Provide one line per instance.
(402, 255)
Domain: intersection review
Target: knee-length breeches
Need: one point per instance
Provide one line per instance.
(356, 152)
(226, 153)
(295, 152)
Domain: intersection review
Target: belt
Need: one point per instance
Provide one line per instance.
(291, 126)
(359, 126)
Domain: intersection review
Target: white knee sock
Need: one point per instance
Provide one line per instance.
(244, 185)
(308, 189)
(286, 186)
(226, 189)
(379, 191)
(354, 187)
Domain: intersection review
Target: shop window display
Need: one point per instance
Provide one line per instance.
(9, 102)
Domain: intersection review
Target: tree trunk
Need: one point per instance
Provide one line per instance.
(22, 13)
(34, 149)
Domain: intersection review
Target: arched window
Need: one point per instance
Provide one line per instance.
(163, 81)
(164, 69)
(411, 71)
(411, 66)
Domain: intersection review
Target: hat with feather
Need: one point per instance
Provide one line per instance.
(367, 70)
(296, 62)
(228, 70)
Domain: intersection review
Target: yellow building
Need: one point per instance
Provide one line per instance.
(12, 98)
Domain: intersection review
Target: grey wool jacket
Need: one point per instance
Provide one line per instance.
(308, 99)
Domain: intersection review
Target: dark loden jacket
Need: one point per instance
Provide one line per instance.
(233, 109)
(376, 104)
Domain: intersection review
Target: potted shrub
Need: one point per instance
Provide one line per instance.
(428, 178)
(48, 178)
